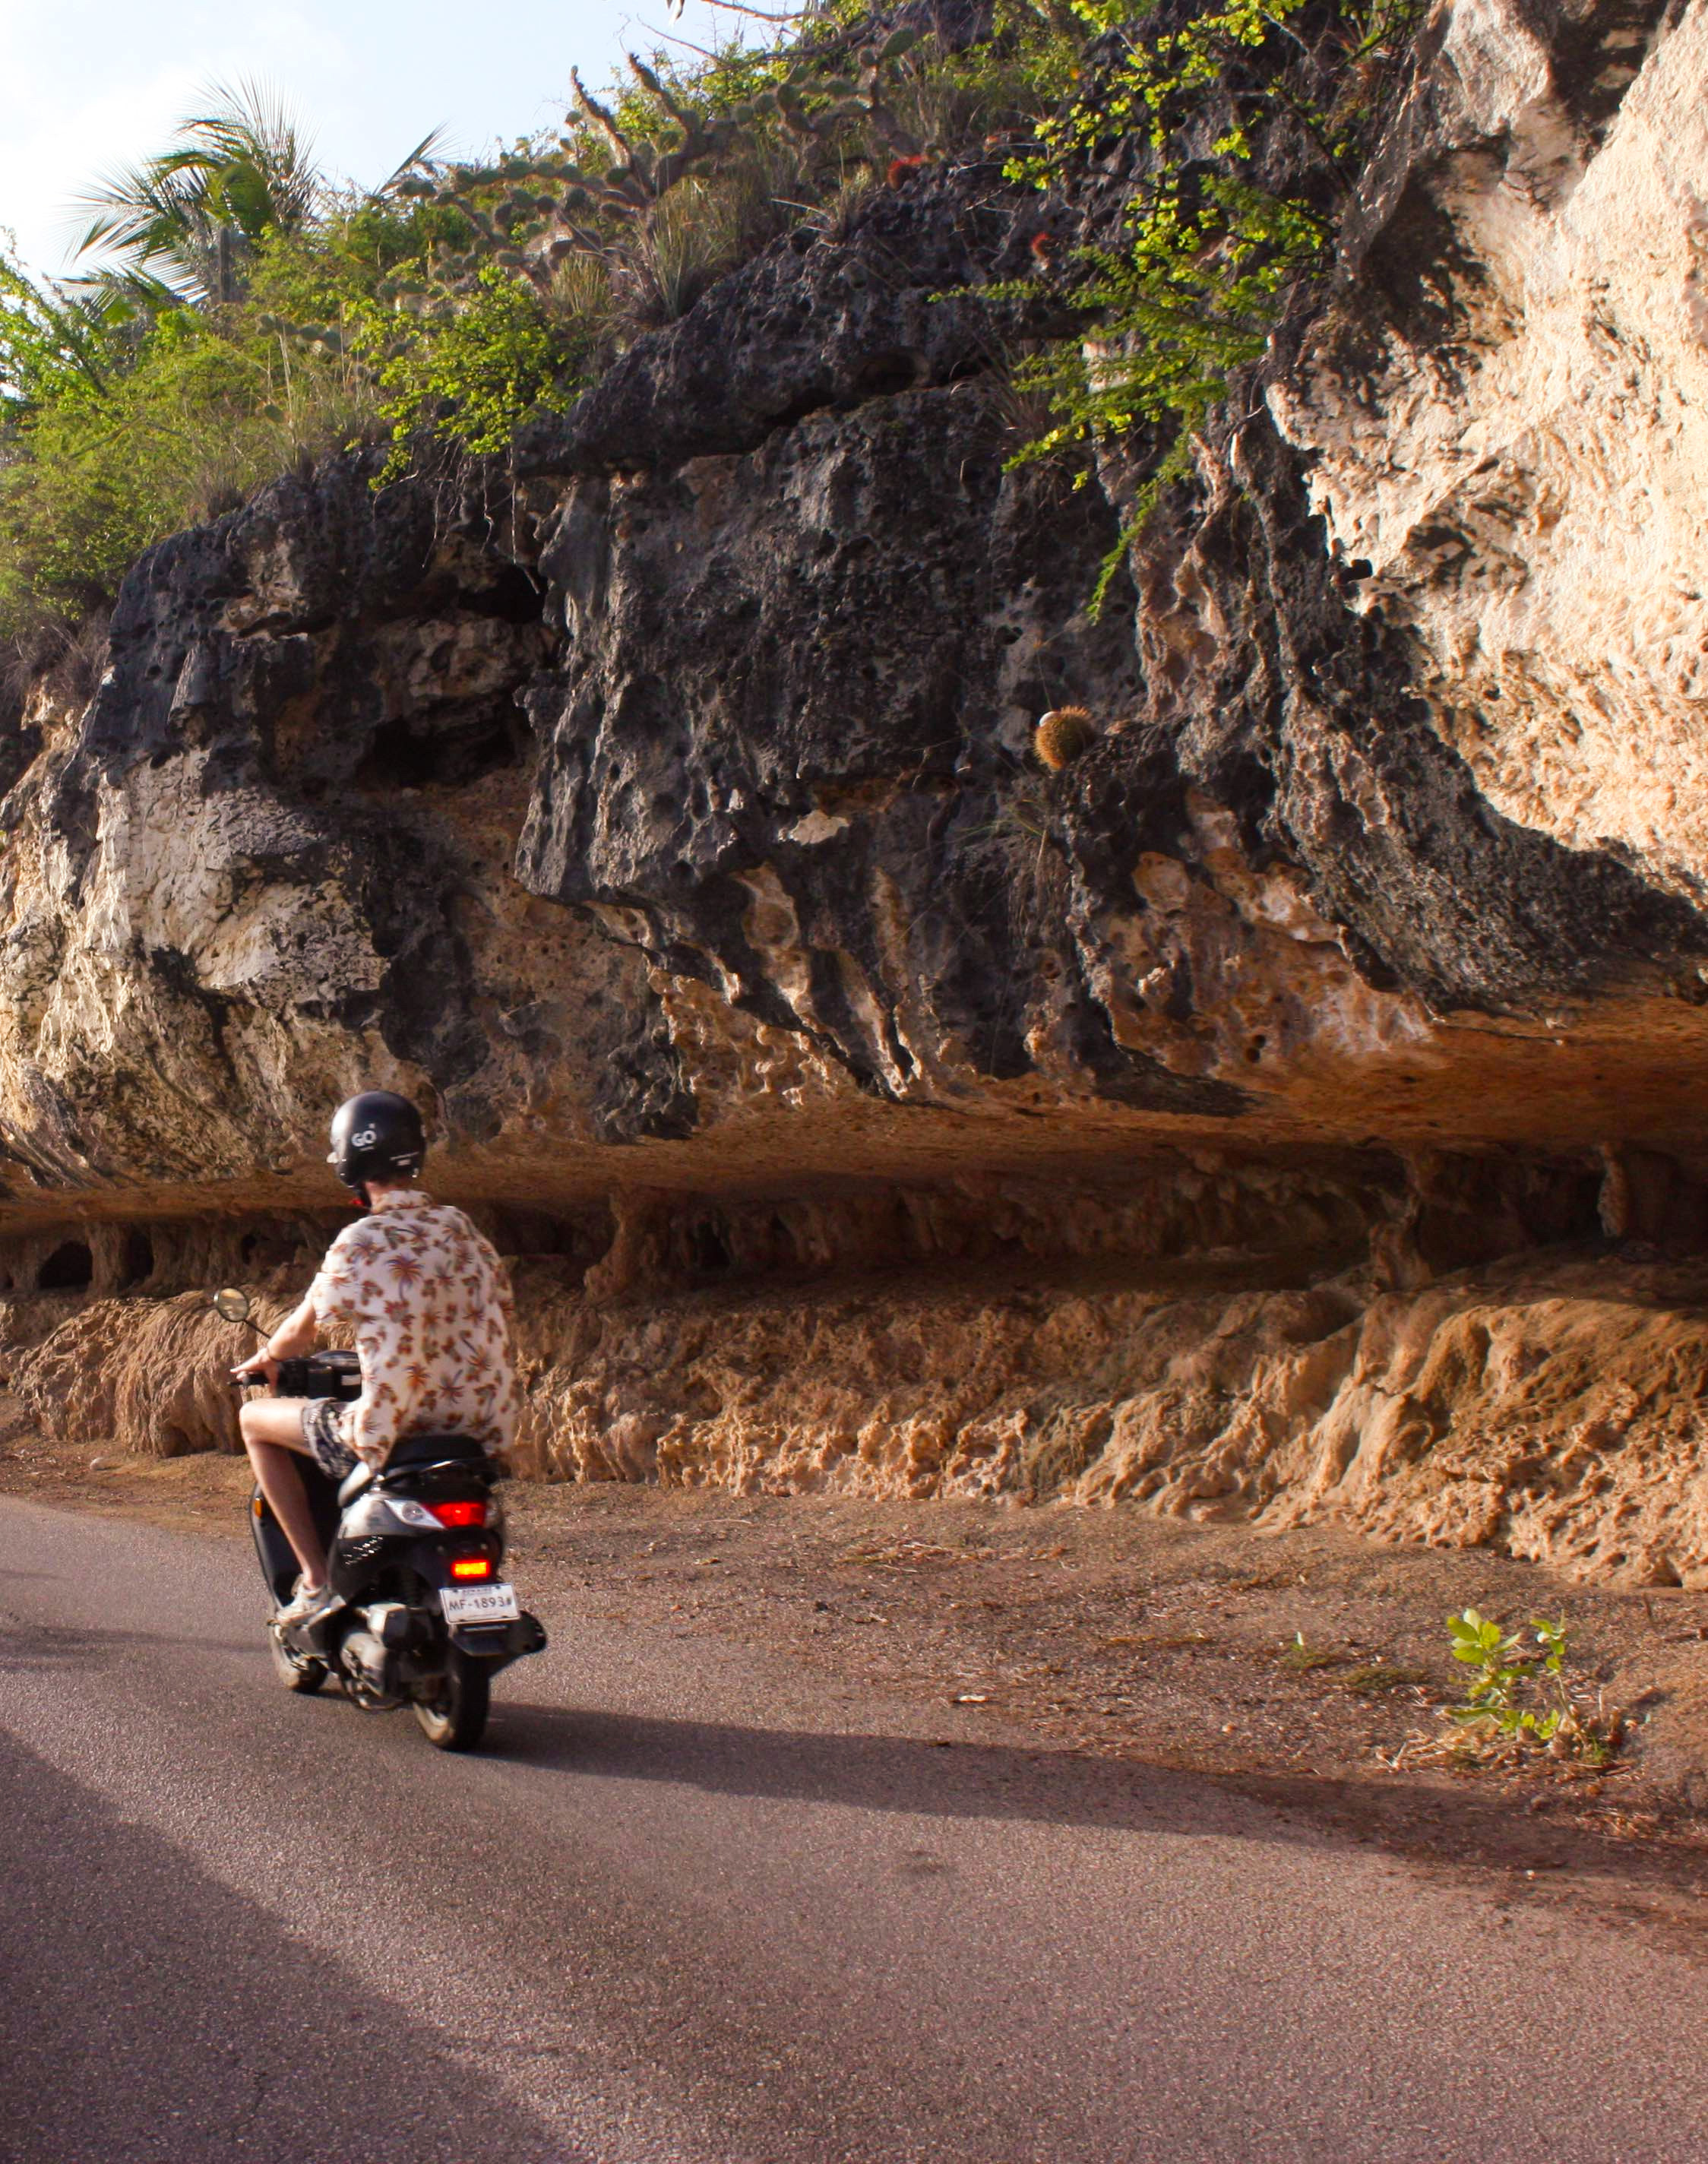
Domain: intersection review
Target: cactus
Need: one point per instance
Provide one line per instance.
(1061, 735)
(553, 207)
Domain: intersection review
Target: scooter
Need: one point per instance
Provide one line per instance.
(422, 1615)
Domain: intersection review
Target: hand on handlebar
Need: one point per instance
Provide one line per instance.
(259, 1368)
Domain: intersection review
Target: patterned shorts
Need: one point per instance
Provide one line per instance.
(326, 1447)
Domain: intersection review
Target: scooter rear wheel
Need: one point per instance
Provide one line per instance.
(297, 1672)
(454, 1719)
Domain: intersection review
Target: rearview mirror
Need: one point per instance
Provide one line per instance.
(232, 1305)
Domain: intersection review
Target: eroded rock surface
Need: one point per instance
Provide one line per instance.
(663, 812)
(1504, 418)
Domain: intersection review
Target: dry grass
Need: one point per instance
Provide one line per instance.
(1379, 1677)
(1301, 1659)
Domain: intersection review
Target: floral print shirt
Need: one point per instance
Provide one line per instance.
(430, 1304)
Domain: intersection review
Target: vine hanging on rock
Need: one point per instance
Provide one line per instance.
(1235, 134)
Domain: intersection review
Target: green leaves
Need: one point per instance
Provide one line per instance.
(474, 374)
(90, 480)
(1209, 254)
(189, 216)
(1507, 1681)
(53, 344)
(1476, 1639)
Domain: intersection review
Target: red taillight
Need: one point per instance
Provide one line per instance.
(459, 1513)
(471, 1567)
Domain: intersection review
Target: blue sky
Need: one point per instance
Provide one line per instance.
(89, 83)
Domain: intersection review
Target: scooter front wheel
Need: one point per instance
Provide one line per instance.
(455, 1718)
(297, 1672)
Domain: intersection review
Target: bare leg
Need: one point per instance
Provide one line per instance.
(272, 1435)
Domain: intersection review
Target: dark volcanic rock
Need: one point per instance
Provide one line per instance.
(813, 323)
(683, 776)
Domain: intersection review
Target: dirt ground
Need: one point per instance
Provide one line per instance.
(1309, 1668)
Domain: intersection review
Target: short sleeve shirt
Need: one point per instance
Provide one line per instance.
(430, 1304)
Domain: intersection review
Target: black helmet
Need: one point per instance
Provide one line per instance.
(376, 1135)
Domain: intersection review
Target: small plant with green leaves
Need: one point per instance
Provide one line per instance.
(1518, 1694)
(1504, 1678)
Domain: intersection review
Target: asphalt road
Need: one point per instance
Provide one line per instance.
(683, 1908)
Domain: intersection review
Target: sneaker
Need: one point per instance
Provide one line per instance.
(304, 1602)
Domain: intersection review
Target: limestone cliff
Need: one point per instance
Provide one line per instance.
(1290, 1105)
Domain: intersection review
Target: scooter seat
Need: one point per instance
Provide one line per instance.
(434, 1450)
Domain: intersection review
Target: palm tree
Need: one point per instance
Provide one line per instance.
(178, 227)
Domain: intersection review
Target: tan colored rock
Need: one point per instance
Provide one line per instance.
(1522, 464)
(1549, 1410)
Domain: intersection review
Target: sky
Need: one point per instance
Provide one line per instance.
(88, 84)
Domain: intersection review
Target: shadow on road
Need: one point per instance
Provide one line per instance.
(49, 1646)
(868, 1772)
(149, 2012)
(1054, 1787)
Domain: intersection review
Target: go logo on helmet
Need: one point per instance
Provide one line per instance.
(366, 1139)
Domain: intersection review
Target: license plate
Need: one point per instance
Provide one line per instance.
(479, 1604)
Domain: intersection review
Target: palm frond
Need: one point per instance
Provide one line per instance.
(424, 153)
(180, 219)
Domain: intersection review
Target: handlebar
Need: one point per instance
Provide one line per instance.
(311, 1375)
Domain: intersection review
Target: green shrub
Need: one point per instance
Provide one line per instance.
(118, 429)
(1207, 256)
(471, 371)
(253, 316)
(90, 479)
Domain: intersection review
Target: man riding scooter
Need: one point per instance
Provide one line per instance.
(430, 1304)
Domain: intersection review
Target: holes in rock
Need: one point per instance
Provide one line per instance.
(434, 750)
(138, 1256)
(709, 1251)
(811, 401)
(69, 1268)
(279, 1245)
(885, 375)
(518, 1231)
(512, 597)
